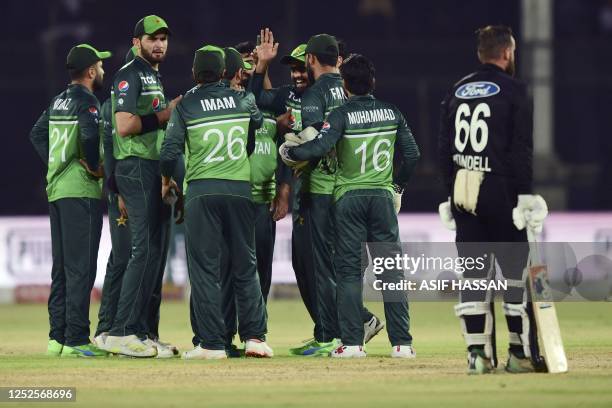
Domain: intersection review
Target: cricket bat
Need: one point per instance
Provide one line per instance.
(545, 314)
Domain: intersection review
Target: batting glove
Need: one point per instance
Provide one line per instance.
(531, 211)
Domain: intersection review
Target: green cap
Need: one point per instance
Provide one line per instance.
(84, 55)
(209, 58)
(233, 61)
(322, 44)
(297, 55)
(131, 54)
(150, 25)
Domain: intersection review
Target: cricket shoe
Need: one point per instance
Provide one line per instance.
(54, 348)
(306, 345)
(403, 351)
(130, 346)
(348, 352)
(327, 348)
(100, 339)
(164, 350)
(519, 364)
(478, 363)
(200, 353)
(257, 348)
(85, 350)
(371, 328)
(313, 348)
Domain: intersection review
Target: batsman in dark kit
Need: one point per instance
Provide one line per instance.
(485, 156)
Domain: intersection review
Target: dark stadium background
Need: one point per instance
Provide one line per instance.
(419, 47)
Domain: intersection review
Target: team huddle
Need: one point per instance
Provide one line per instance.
(227, 159)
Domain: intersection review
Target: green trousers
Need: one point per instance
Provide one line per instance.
(367, 216)
(139, 184)
(76, 225)
(219, 214)
(312, 260)
(115, 267)
(151, 312)
(265, 237)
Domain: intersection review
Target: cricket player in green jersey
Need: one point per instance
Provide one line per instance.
(365, 133)
(267, 198)
(263, 162)
(216, 126)
(121, 240)
(313, 228)
(286, 102)
(66, 136)
(140, 114)
(118, 226)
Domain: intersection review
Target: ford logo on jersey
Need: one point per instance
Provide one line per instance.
(473, 90)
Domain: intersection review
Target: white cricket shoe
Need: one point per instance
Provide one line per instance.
(257, 348)
(100, 339)
(401, 351)
(164, 350)
(129, 346)
(200, 353)
(371, 328)
(348, 352)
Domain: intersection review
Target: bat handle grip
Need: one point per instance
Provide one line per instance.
(534, 253)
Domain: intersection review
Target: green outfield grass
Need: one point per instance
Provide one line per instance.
(436, 378)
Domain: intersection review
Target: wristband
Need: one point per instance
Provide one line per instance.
(149, 123)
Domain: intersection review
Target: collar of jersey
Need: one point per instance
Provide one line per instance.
(490, 67)
(330, 75)
(212, 85)
(145, 64)
(361, 97)
(80, 86)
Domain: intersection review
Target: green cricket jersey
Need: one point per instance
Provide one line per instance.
(65, 133)
(319, 99)
(137, 89)
(263, 161)
(365, 133)
(294, 102)
(213, 123)
(278, 100)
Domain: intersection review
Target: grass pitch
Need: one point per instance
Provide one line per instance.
(436, 378)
